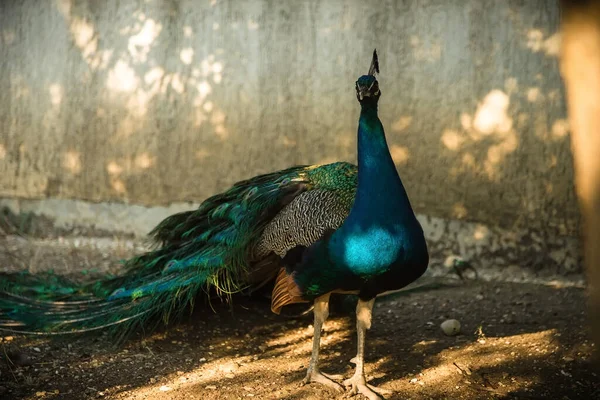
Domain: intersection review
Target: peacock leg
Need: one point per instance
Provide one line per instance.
(321, 312)
(358, 383)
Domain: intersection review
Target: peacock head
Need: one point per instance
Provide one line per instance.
(367, 87)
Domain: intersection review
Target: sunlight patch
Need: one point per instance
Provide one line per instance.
(560, 128)
(122, 78)
(400, 154)
(491, 115)
(113, 168)
(402, 123)
(186, 55)
(536, 42)
(452, 140)
(533, 94)
(56, 94)
(144, 161)
(72, 161)
(140, 43)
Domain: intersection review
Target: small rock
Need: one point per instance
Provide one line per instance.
(164, 388)
(202, 359)
(413, 380)
(211, 387)
(37, 349)
(229, 376)
(450, 327)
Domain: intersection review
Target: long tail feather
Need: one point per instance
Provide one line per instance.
(206, 250)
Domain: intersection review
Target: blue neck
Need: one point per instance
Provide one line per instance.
(380, 196)
(381, 226)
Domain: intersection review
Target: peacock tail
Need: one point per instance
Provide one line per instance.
(233, 243)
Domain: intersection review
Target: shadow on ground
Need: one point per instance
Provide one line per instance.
(517, 341)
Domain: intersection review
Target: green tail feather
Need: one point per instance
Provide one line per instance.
(199, 251)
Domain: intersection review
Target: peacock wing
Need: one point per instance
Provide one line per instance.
(302, 222)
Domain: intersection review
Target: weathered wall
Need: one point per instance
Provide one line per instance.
(153, 102)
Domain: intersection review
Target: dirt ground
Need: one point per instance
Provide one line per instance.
(518, 340)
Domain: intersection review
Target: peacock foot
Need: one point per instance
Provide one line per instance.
(324, 379)
(358, 384)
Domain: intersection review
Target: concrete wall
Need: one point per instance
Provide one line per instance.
(154, 102)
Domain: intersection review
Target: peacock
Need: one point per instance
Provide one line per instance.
(307, 231)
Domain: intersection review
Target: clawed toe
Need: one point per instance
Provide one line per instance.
(333, 376)
(380, 390)
(327, 380)
(357, 384)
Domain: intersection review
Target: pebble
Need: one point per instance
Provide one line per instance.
(450, 327)
(164, 388)
(211, 387)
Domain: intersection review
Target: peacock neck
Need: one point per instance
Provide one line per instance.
(380, 195)
(378, 232)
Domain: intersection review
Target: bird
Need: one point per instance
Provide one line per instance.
(307, 232)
